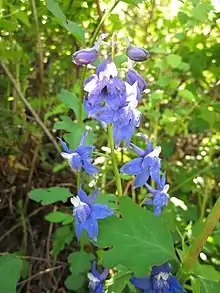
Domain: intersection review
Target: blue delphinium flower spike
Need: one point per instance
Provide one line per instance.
(87, 56)
(159, 196)
(96, 280)
(80, 157)
(132, 76)
(86, 213)
(160, 281)
(135, 53)
(147, 165)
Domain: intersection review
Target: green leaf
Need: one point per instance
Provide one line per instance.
(63, 236)
(50, 195)
(208, 272)
(23, 17)
(74, 282)
(59, 217)
(208, 286)
(174, 60)
(75, 29)
(139, 230)
(80, 262)
(187, 95)
(107, 199)
(10, 267)
(55, 9)
(66, 124)
(73, 138)
(120, 280)
(201, 11)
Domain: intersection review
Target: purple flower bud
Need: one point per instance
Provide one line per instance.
(135, 53)
(132, 77)
(85, 56)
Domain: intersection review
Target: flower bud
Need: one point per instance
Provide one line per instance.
(135, 53)
(132, 77)
(85, 56)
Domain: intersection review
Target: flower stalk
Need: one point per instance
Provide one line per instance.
(199, 242)
(114, 161)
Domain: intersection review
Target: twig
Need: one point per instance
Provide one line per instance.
(100, 15)
(27, 104)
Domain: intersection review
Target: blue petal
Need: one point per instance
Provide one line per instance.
(90, 168)
(94, 195)
(76, 162)
(101, 211)
(83, 138)
(175, 286)
(65, 147)
(94, 271)
(141, 283)
(162, 268)
(104, 274)
(141, 179)
(133, 167)
(138, 150)
(99, 288)
(150, 189)
(84, 151)
(78, 230)
(91, 226)
(83, 196)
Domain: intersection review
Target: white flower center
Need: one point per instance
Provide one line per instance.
(68, 156)
(166, 188)
(156, 152)
(76, 202)
(92, 278)
(163, 275)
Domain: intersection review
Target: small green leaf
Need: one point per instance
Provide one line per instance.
(66, 124)
(80, 262)
(10, 267)
(55, 9)
(208, 286)
(74, 282)
(63, 236)
(138, 230)
(174, 60)
(187, 95)
(75, 29)
(73, 138)
(23, 17)
(208, 272)
(50, 195)
(120, 280)
(201, 11)
(59, 217)
(107, 199)
(70, 99)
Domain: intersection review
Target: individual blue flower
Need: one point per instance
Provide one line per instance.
(96, 280)
(147, 165)
(86, 213)
(160, 281)
(87, 56)
(135, 53)
(80, 157)
(132, 76)
(159, 196)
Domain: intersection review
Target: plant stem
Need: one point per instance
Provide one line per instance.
(114, 161)
(199, 242)
(78, 175)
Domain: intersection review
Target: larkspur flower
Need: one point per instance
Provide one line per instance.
(89, 55)
(96, 280)
(86, 213)
(160, 281)
(132, 76)
(80, 157)
(147, 165)
(111, 100)
(159, 196)
(136, 53)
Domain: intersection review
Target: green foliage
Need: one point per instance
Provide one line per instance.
(71, 26)
(79, 265)
(120, 280)
(10, 267)
(50, 195)
(59, 217)
(207, 286)
(63, 236)
(138, 230)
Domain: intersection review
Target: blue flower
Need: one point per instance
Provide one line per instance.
(132, 76)
(96, 280)
(87, 56)
(160, 281)
(160, 195)
(86, 213)
(135, 53)
(147, 165)
(80, 157)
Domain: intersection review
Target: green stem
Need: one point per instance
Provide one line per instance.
(114, 161)
(199, 242)
(78, 175)
(91, 43)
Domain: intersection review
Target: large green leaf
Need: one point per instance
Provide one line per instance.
(66, 124)
(139, 230)
(174, 60)
(120, 280)
(207, 286)
(50, 195)
(80, 262)
(10, 267)
(59, 217)
(71, 26)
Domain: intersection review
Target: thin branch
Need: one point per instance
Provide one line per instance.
(27, 104)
